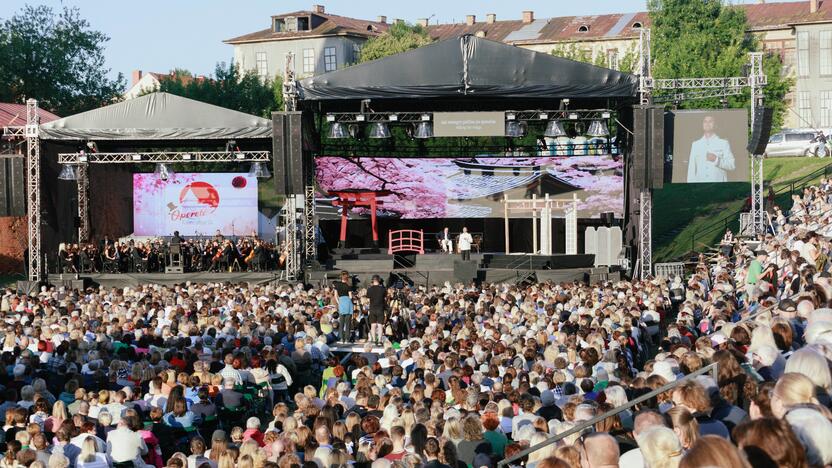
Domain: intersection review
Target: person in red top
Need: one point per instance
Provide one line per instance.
(397, 436)
(253, 431)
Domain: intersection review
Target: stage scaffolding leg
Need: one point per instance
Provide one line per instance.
(83, 203)
(645, 234)
(310, 245)
(758, 211)
(289, 218)
(33, 191)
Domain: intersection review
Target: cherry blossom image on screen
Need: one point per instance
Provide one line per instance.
(194, 204)
(474, 187)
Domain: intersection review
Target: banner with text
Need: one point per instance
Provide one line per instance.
(469, 124)
(194, 204)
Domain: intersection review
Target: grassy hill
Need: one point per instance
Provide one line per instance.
(681, 211)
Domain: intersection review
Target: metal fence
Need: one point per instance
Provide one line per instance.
(709, 369)
(669, 270)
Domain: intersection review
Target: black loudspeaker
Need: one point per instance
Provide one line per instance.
(761, 131)
(279, 151)
(465, 271)
(648, 147)
(12, 186)
(655, 151)
(287, 150)
(638, 172)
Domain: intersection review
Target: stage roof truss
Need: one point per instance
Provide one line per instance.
(520, 115)
(165, 157)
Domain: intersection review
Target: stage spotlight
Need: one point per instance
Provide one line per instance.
(338, 131)
(515, 129)
(259, 170)
(379, 130)
(68, 173)
(554, 129)
(82, 158)
(598, 128)
(136, 157)
(163, 171)
(510, 116)
(239, 155)
(92, 146)
(423, 130)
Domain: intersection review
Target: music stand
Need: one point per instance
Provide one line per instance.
(175, 265)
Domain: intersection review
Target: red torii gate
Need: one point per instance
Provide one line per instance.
(347, 199)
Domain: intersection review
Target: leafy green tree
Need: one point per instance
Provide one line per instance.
(228, 87)
(401, 37)
(626, 62)
(56, 58)
(704, 38)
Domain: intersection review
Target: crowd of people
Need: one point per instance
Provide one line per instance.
(239, 376)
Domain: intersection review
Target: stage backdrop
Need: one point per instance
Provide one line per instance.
(194, 204)
(474, 187)
(709, 146)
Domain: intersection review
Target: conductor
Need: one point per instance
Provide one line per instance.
(378, 302)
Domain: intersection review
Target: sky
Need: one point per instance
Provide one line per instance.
(160, 35)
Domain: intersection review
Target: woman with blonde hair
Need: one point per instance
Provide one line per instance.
(684, 425)
(792, 389)
(59, 415)
(716, 451)
(538, 455)
(226, 460)
(89, 456)
(660, 447)
(453, 430)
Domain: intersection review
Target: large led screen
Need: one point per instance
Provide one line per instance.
(195, 204)
(475, 187)
(710, 146)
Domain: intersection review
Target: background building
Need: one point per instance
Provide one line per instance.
(320, 41)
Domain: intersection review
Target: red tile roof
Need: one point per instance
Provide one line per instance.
(333, 25)
(185, 79)
(619, 25)
(13, 115)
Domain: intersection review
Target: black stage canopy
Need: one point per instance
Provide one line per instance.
(469, 66)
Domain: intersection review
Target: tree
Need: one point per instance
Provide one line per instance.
(57, 59)
(401, 37)
(704, 38)
(571, 51)
(229, 87)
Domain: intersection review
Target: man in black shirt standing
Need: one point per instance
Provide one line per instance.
(378, 300)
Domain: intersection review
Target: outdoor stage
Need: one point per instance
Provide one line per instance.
(427, 270)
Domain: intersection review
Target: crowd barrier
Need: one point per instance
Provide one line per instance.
(709, 369)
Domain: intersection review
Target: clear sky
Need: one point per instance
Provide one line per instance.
(159, 35)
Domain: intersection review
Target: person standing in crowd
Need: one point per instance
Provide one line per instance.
(343, 299)
(377, 294)
(465, 241)
(755, 269)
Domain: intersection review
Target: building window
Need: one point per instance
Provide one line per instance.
(309, 60)
(262, 64)
(804, 108)
(612, 59)
(825, 56)
(803, 53)
(826, 108)
(356, 53)
(330, 61)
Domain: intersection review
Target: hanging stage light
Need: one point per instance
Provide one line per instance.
(423, 130)
(68, 173)
(554, 129)
(338, 131)
(598, 128)
(163, 171)
(259, 170)
(379, 130)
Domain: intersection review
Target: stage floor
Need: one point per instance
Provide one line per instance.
(168, 279)
(433, 269)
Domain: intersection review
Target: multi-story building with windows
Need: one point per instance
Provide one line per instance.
(321, 42)
(799, 32)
